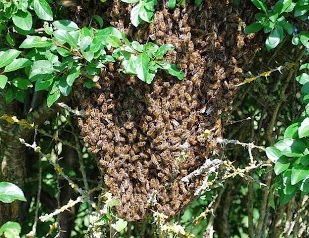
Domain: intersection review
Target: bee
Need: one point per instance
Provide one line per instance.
(151, 132)
(134, 158)
(144, 127)
(176, 14)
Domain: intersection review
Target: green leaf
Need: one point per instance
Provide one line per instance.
(175, 71)
(23, 20)
(260, 5)
(10, 39)
(21, 83)
(114, 41)
(3, 81)
(281, 6)
(304, 160)
(254, 27)
(171, 4)
(17, 64)
(43, 82)
(301, 10)
(163, 49)
(137, 46)
(142, 67)
(88, 55)
(99, 20)
(63, 36)
(304, 38)
(304, 66)
(134, 17)
(295, 40)
(288, 187)
(63, 52)
(52, 98)
(10, 230)
(287, 26)
(41, 67)
(303, 78)
(36, 42)
(9, 95)
(10, 192)
(291, 147)
(282, 164)
(74, 74)
(273, 153)
(292, 131)
(145, 14)
(128, 66)
(299, 173)
(43, 10)
(85, 42)
(305, 88)
(305, 186)
(274, 38)
(64, 88)
(303, 130)
(6, 57)
(120, 225)
(66, 25)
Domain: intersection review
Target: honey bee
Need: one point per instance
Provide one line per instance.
(151, 132)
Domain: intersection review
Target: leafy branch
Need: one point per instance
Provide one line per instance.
(65, 52)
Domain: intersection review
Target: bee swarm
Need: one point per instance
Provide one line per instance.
(148, 137)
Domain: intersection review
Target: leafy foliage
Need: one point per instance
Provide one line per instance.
(291, 154)
(142, 11)
(54, 61)
(8, 193)
(275, 21)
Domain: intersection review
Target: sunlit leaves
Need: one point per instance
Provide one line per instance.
(10, 192)
(10, 230)
(142, 11)
(6, 57)
(23, 20)
(36, 42)
(3, 81)
(43, 10)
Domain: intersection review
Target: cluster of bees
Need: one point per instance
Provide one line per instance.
(148, 137)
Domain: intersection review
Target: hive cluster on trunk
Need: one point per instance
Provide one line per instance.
(148, 137)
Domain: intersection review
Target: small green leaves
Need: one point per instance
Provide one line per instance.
(291, 147)
(10, 230)
(23, 20)
(174, 70)
(142, 67)
(17, 64)
(3, 81)
(303, 130)
(66, 25)
(253, 28)
(273, 153)
(52, 98)
(281, 165)
(260, 5)
(36, 42)
(43, 10)
(10, 192)
(299, 173)
(274, 38)
(142, 11)
(120, 225)
(6, 57)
